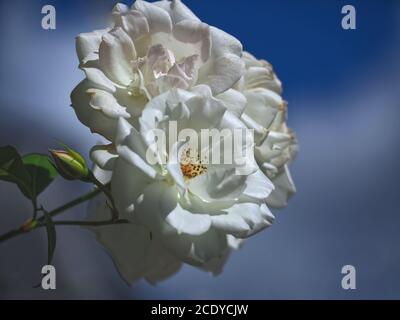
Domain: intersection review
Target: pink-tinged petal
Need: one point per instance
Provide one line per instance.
(196, 34)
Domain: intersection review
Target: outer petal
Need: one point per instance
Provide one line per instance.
(197, 250)
(263, 106)
(177, 10)
(260, 73)
(106, 103)
(163, 265)
(103, 156)
(127, 186)
(244, 219)
(187, 222)
(87, 45)
(273, 146)
(262, 77)
(234, 243)
(258, 186)
(95, 119)
(216, 265)
(131, 147)
(134, 251)
(225, 66)
(104, 176)
(234, 101)
(116, 54)
(197, 33)
(99, 79)
(158, 19)
(133, 22)
(284, 189)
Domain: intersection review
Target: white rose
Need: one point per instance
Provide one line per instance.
(183, 210)
(149, 49)
(266, 113)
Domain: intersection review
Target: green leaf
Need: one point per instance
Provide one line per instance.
(51, 237)
(41, 170)
(12, 169)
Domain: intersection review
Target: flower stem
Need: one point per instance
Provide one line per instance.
(68, 205)
(11, 234)
(75, 202)
(89, 223)
(105, 189)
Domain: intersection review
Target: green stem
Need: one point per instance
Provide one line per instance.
(89, 223)
(69, 205)
(35, 208)
(75, 202)
(106, 191)
(11, 234)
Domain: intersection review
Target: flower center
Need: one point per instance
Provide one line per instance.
(191, 165)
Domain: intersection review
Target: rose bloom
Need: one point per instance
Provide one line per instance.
(149, 49)
(182, 210)
(159, 63)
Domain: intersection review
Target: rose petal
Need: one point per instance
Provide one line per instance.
(116, 54)
(99, 79)
(157, 18)
(106, 103)
(243, 220)
(133, 22)
(87, 45)
(95, 119)
(177, 10)
(284, 189)
(234, 101)
(258, 186)
(263, 106)
(134, 251)
(197, 250)
(197, 33)
(186, 222)
(225, 67)
(103, 156)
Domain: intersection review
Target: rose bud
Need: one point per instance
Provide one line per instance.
(70, 164)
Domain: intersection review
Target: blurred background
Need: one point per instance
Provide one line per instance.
(343, 88)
